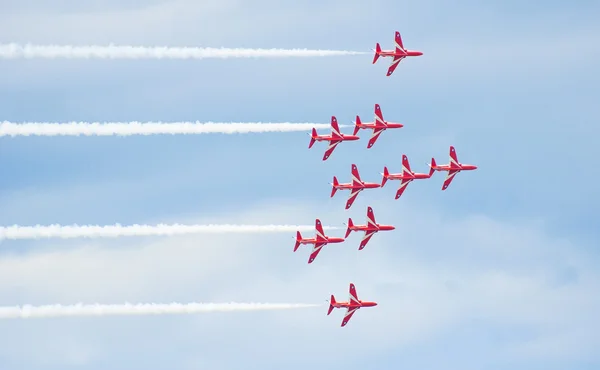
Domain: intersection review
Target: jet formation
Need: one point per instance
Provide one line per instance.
(357, 185)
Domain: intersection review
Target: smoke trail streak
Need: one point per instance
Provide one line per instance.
(16, 232)
(17, 51)
(57, 310)
(149, 128)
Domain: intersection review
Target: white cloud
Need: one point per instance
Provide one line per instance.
(155, 21)
(202, 23)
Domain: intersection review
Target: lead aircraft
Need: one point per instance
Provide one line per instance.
(355, 187)
(370, 228)
(378, 126)
(334, 139)
(352, 305)
(398, 53)
(453, 167)
(319, 241)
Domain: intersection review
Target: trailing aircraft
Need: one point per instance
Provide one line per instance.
(352, 305)
(319, 241)
(406, 176)
(334, 139)
(378, 126)
(370, 228)
(355, 187)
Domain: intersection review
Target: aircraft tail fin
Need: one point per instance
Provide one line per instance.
(312, 138)
(431, 167)
(331, 303)
(357, 125)
(334, 186)
(298, 239)
(377, 52)
(349, 230)
(385, 174)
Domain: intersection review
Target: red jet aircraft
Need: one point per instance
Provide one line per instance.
(406, 176)
(398, 53)
(355, 187)
(334, 139)
(352, 305)
(378, 126)
(370, 228)
(453, 167)
(319, 241)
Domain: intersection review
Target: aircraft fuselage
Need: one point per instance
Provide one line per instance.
(370, 228)
(331, 138)
(327, 240)
(462, 167)
(353, 305)
(365, 185)
(392, 53)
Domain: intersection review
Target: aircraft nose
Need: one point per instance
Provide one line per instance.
(420, 53)
(474, 167)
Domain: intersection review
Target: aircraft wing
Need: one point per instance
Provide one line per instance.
(353, 300)
(352, 198)
(332, 145)
(355, 176)
(371, 217)
(403, 184)
(379, 116)
(315, 252)
(397, 59)
(453, 158)
(348, 315)
(398, 41)
(449, 178)
(319, 231)
(376, 132)
(335, 128)
(366, 238)
(405, 165)
(352, 296)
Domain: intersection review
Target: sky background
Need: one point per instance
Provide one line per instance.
(499, 271)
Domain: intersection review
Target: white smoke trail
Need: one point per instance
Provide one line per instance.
(14, 51)
(149, 128)
(114, 231)
(57, 310)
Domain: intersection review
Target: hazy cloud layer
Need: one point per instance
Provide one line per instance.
(497, 271)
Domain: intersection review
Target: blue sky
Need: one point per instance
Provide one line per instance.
(498, 271)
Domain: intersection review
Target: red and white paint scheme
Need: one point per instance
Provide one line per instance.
(352, 305)
(355, 187)
(398, 53)
(406, 176)
(370, 228)
(378, 126)
(319, 241)
(453, 167)
(334, 139)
